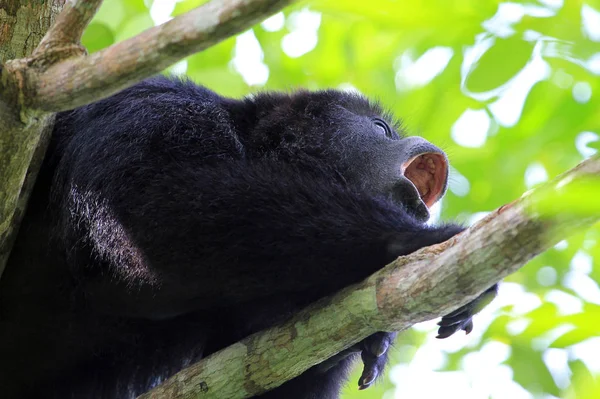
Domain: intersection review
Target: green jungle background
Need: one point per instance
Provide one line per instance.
(511, 91)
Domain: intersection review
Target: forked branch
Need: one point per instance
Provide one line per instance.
(69, 25)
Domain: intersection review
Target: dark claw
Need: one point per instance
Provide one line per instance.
(452, 323)
(374, 357)
(468, 327)
(367, 379)
(373, 366)
(462, 318)
(445, 332)
(451, 320)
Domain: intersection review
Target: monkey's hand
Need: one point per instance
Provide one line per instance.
(374, 351)
(462, 318)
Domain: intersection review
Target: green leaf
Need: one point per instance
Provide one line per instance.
(585, 385)
(571, 198)
(571, 338)
(530, 371)
(97, 36)
(500, 63)
(187, 5)
(111, 13)
(134, 26)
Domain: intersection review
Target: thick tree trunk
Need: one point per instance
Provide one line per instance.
(23, 137)
(23, 24)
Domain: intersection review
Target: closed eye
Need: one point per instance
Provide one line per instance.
(383, 127)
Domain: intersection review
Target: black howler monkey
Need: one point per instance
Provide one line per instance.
(169, 222)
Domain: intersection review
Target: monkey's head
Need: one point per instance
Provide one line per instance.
(363, 145)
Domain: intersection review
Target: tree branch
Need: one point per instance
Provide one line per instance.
(70, 24)
(79, 81)
(424, 285)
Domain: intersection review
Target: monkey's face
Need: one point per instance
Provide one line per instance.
(410, 170)
(362, 145)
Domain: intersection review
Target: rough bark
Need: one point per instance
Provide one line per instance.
(23, 24)
(23, 134)
(22, 149)
(424, 285)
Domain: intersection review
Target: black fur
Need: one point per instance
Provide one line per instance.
(169, 222)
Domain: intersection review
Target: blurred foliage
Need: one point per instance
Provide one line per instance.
(509, 89)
